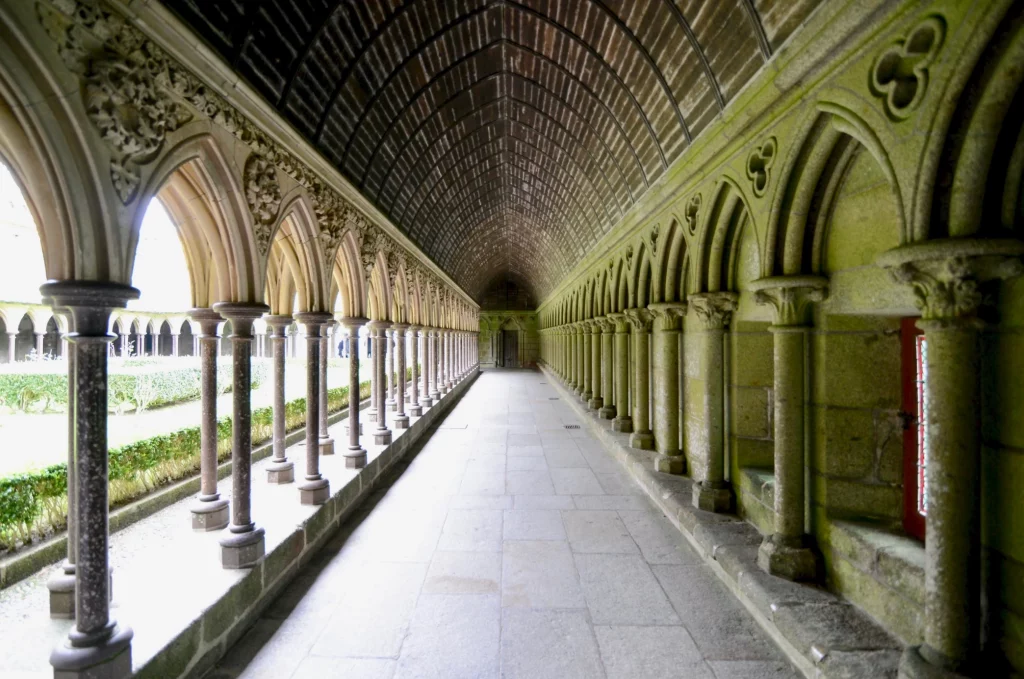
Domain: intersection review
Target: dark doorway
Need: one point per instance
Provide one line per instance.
(510, 348)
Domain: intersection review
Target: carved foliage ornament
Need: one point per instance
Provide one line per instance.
(947, 289)
(263, 194)
(692, 214)
(790, 303)
(119, 89)
(714, 309)
(629, 257)
(759, 165)
(899, 74)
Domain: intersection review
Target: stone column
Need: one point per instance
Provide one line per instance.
(381, 434)
(442, 354)
(401, 419)
(280, 469)
(435, 395)
(596, 401)
(174, 345)
(608, 407)
(355, 455)
(711, 492)
(315, 489)
(62, 584)
(40, 336)
(244, 547)
(623, 421)
(667, 410)
(12, 338)
(642, 437)
(586, 360)
(371, 352)
(449, 363)
(389, 345)
(326, 442)
(96, 646)
(425, 400)
(415, 406)
(575, 375)
(947, 277)
(195, 343)
(788, 552)
(209, 511)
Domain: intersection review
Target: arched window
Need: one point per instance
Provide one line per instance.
(915, 433)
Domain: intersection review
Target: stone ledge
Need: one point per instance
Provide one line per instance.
(821, 634)
(26, 562)
(198, 647)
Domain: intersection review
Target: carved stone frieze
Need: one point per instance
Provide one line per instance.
(263, 195)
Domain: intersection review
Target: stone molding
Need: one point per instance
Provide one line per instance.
(714, 309)
(789, 296)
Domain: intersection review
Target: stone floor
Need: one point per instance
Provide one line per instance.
(511, 547)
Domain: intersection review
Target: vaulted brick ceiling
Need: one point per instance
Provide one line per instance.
(503, 136)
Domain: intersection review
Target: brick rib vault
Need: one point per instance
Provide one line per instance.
(504, 137)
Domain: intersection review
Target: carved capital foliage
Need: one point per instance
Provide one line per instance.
(668, 314)
(629, 257)
(640, 319)
(263, 194)
(692, 213)
(947, 277)
(606, 324)
(714, 309)
(790, 296)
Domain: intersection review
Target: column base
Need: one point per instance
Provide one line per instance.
(355, 458)
(281, 472)
(348, 429)
(242, 550)
(791, 562)
(623, 424)
(670, 464)
(112, 659)
(62, 594)
(315, 492)
(207, 516)
(426, 402)
(435, 396)
(642, 440)
(596, 403)
(391, 404)
(382, 437)
(585, 396)
(400, 422)
(915, 665)
(449, 386)
(606, 413)
(416, 411)
(710, 499)
(370, 415)
(326, 445)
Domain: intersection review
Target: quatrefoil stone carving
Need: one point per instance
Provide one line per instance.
(759, 166)
(900, 73)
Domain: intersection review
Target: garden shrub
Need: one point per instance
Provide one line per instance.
(34, 504)
(138, 385)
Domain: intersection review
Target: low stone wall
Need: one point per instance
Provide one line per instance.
(822, 634)
(215, 630)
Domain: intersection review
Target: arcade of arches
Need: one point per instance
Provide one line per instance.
(767, 252)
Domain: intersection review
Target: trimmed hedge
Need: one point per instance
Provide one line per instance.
(34, 504)
(137, 386)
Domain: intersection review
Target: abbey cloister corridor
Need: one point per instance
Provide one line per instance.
(512, 338)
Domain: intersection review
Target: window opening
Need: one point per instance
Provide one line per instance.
(915, 435)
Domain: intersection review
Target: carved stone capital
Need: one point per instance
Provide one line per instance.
(668, 314)
(605, 323)
(714, 309)
(619, 321)
(640, 319)
(790, 296)
(947, 274)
